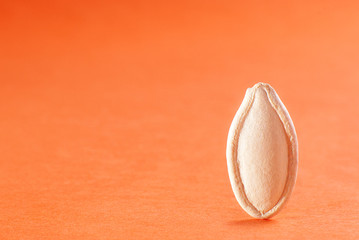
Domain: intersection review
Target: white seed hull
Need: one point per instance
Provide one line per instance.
(262, 153)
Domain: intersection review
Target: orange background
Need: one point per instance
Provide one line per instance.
(114, 116)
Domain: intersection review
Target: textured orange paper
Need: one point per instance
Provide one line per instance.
(114, 116)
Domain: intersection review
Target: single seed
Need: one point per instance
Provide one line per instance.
(262, 153)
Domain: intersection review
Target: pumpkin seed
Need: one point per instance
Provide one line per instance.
(262, 153)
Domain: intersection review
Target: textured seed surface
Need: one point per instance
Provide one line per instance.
(262, 153)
